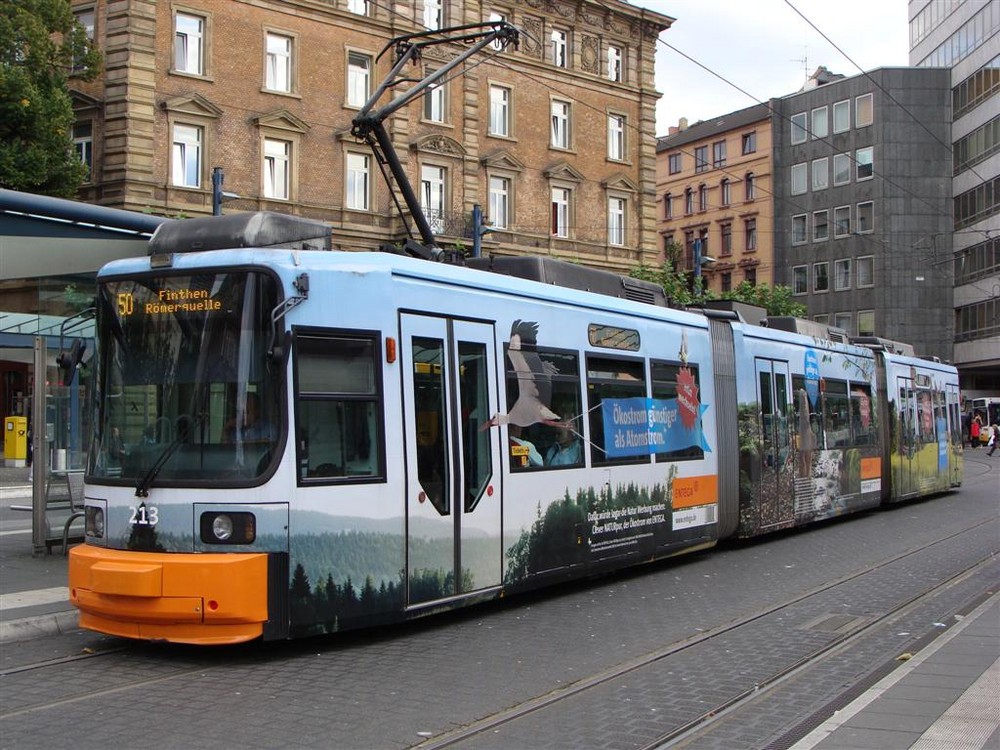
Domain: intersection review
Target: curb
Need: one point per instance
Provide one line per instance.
(27, 628)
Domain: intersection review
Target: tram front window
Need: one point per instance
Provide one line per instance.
(185, 390)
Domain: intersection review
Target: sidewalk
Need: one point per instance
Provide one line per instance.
(34, 598)
(945, 696)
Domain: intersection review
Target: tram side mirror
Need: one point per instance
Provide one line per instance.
(279, 352)
(69, 361)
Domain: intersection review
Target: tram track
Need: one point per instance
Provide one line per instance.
(716, 712)
(201, 664)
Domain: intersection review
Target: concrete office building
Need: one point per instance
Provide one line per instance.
(862, 203)
(963, 36)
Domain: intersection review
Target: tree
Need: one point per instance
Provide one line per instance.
(777, 300)
(42, 46)
(683, 291)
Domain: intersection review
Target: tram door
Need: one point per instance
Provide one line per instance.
(776, 486)
(906, 446)
(955, 434)
(453, 508)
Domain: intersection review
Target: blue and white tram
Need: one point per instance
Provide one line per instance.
(316, 441)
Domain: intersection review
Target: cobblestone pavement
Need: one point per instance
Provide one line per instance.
(402, 686)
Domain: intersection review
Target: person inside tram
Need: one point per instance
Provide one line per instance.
(565, 451)
(522, 452)
(254, 428)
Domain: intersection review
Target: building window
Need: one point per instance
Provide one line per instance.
(495, 18)
(841, 169)
(843, 320)
(866, 217)
(719, 154)
(359, 67)
(560, 124)
(866, 271)
(500, 111)
(749, 143)
(823, 318)
(433, 14)
(842, 274)
(432, 192)
(499, 208)
(560, 211)
(821, 228)
(358, 182)
(821, 277)
(726, 284)
(358, 7)
(866, 322)
(799, 128)
(820, 123)
(668, 206)
(277, 168)
(84, 17)
(189, 44)
(863, 111)
(616, 221)
(750, 187)
(750, 276)
(83, 144)
(187, 156)
(800, 176)
(616, 137)
(821, 174)
(800, 280)
(725, 192)
(434, 103)
(560, 48)
(702, 198)
(674, 163)
(727, 239)
(750, 230)
(700, 159)
(864, 158)
(842, 116)
(688, 201)
(841, 221)
(615, 71)
(278, 63)
(800, 229)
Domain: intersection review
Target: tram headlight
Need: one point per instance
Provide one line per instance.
(224, 527)
(94, 522)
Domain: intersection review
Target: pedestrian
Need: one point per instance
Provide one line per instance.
(994, 439)
(974, 431)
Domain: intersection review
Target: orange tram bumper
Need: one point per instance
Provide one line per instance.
(183, 598)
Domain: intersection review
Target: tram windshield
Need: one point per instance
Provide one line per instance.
(185, 390)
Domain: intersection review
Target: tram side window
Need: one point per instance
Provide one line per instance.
(836, 414)
(812, 416)
(612, 378)
(862, 414)
(664, 377)
(925, 418)
(539, 445)
(338, 408)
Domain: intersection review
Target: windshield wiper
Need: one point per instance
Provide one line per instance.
(142, 486)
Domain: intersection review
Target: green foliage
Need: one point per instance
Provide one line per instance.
(682, 290)
(777, 300)
(41, 47)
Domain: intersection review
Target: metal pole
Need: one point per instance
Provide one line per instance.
(477, 231)
(39, 448)
(217, 180)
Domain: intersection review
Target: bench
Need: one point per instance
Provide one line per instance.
(63, 505)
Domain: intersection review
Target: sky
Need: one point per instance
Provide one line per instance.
(765, 48)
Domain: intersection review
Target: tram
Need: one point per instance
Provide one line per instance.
(291, 441)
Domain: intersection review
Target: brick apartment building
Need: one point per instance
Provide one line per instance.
(714, 187)
(555, 140)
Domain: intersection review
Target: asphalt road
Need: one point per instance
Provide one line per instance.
(719, 623)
